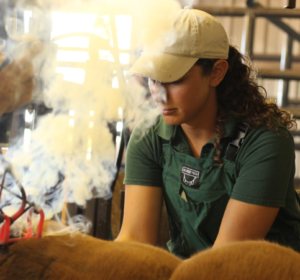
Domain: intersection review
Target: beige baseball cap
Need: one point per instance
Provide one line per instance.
(197, 35)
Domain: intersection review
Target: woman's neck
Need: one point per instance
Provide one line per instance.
(202, 128)
(203, 134)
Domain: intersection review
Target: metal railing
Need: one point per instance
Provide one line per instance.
(273, 15)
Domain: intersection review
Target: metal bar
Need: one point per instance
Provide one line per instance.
(285, 63)
(72, 49)
(278, 74)
(72, 209)
(272, 57)
(280, 24)
(290, 4)
(248, 35)
(297, 147)
(89, 213)
(286, 28)
(295, 111)
(116, 51)
(103, 207)
(294, 133)
(119, 157)
(294, 102)
(17, 127)
(297, 180)
(102, 218)
(258, 12)
(3, 32)
(271, 15)
(222, 11)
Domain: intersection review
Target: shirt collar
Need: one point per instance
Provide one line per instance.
(168, 132)
(164, 130)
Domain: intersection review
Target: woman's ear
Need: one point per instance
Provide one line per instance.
(218, 73)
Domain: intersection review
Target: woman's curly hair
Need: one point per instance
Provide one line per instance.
(239, 94)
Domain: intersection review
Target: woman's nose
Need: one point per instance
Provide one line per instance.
(158, 92)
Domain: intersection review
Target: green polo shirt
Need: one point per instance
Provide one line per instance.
(263, 172)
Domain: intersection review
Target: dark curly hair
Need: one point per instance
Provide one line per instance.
(239, 94)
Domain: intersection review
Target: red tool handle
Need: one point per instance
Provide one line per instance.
(4, 232)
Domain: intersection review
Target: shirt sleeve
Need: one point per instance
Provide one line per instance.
(142, 159)
(265, 168)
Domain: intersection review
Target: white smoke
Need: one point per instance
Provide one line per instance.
(71, 156)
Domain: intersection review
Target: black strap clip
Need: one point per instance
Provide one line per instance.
(234, 146)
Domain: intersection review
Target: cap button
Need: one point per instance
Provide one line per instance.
(188, 8)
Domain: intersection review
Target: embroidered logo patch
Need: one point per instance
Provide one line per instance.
(190, 177)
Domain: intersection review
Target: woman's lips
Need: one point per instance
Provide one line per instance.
(168, 111)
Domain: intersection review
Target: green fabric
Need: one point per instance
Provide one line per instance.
(262, 174)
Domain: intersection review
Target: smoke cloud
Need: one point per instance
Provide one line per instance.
(71, 154)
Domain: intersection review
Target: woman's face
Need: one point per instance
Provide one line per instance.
(187, 100)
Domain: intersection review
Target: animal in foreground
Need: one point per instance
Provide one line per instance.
(246, 260)
(81, 256)
(84, 257)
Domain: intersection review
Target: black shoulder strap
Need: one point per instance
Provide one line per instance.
(164, 141)
(235, 145)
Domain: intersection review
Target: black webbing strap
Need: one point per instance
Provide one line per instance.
(164, 141)
(235, 145)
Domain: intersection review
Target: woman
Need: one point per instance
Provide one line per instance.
(219, 154)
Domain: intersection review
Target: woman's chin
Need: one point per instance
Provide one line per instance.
(171, 120)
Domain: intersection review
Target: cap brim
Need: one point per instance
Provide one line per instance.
(164, 67)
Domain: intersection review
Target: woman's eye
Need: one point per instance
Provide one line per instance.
(176, 82)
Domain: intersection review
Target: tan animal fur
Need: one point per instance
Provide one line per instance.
(250, 260)
(84, 257)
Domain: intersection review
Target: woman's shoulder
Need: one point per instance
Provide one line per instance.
(144, 132)
(263, 142)
(144, 142)
(282, 134)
